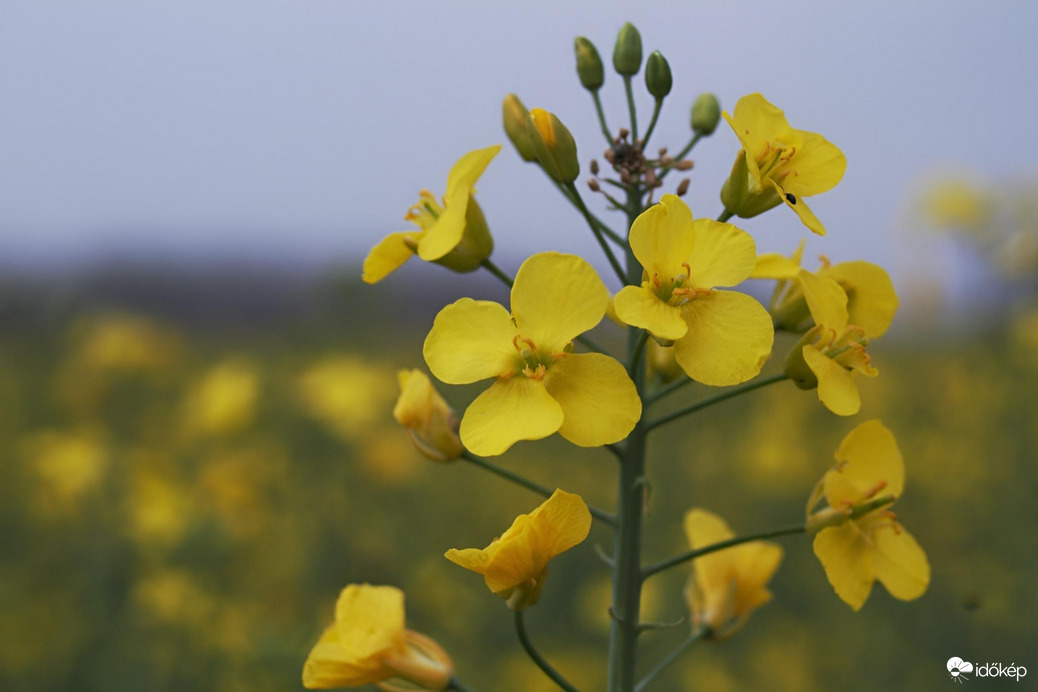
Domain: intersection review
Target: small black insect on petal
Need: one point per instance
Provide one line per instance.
(791, 198)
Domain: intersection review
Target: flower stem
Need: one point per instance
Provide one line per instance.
(652, 123)
(497, 271)
(636, 357)
(524, 639)
(602, 118)
(543, 490)
(716, 399)
(730, 543)
(725, 215)
(609, 233)
(631, 109)
(681, 154)
(668, 390)
(598, 233)
(671, 657)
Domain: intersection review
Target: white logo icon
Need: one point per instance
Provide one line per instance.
(957, 668)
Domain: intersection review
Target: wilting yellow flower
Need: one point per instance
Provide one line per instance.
(727, 585)
(860, 544)
(429, 420)
(453, 233)
(778, 163)
(720, 337)
(368, 643)
(541, 386)
(516, 564)
(223, 400)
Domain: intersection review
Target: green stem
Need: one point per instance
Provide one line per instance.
(497, 271)
(597, 233)
(458, 685)
(725, 215)
(636, 357)
(668, 390)
(543, 490)
(524, 639)
(682, 154)
(671, 657)
(590, 343)
(610, 233)
(602, 118)
(716, 399)
(730, 543)
(631, 109)
(652, 123)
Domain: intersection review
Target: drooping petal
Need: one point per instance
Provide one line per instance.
(599, 402)
(900, 563)
(369, 620)
(836, 388)
(826, 300)
(722, 255)
(867, 457)
(847, 556)
(557, 297)
(661, 237)
(640, 307)
(390, 253)
(567, 521)
(729, 338)
(871, 298)
(469, 167)
(816, 166)
(470, 558)
(799, 205)
(470, 340)
(512, 409)
(448, 230)
(329, 665)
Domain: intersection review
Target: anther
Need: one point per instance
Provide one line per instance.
(875, 489)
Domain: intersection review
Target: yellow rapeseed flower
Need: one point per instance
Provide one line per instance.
(368, 643)
(726, 586)
(859, 544)
(778, 164)
(429, 420)
(720, 337)
(224, 399)
(453, 233)
(515, 565)
(541, 386)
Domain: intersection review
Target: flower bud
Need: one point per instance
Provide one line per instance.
(658, 79)
(797, 368)
(476, 243)
(589, 64)
(429, 420)
(556, 150)
(706, 113)
(627, 54)
(514, 113)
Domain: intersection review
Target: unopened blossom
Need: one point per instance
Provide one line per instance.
(429, 420)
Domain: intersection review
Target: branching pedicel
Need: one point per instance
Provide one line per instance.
(547, 377)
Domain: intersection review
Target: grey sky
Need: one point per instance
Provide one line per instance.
(303, 130)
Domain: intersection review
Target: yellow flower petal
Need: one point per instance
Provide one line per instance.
(640, 307)
(391, 252)
(755, 122)
(448, 230)
(722, 255)
(900, 563)
(755, 563)
(567, 522)
(512, 409)
(329, 665)
(772, 265)
(703, 528)
(847, 556)
(661, 237)
(470, 558)
(598, 399)
(799, 205)
(555, 298)
(867, 457)
(817, 166)
(729, 338)
(470, 340)
(369, 620)
(872, 300)
(836, 388)
(469, 167)
(826, 300)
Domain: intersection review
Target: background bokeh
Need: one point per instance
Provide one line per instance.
(196, 439)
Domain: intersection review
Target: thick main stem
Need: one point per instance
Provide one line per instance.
(627, 579)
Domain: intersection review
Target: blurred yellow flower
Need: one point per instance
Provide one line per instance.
(70, 465)
(454, 234)
(961, 204)
(778, 164)
(858, 544)
(348, 393)
(720, 337)
(726, 586)
(223, 400)
(541, 386)
(368, 643)
(126, 342)
(159, 507)
(430, 422)
(515, 565)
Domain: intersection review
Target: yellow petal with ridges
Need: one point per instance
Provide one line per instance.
(512, 409)
(555, 298)
(566, 521)
(867, 457)
(756, 122)
(390, 253)
(469, 168)
(470, 340)
(722, 255)
(872, 301)
(330, 665)
(448, 230)
(599, 402)
(640, 307)
(826, 300)
(900, 562)
(816, 166)
(836, 388)
(799, 205)
(847, 556)
(729, 338)
(661, 238)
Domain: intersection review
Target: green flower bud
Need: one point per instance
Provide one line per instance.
(627, 55)
(658, 79)
(706, 113)
(796, 367)
(514, 113)
(589, 64)
(476, 244)
(556, 150)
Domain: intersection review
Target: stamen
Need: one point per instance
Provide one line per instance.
(515, 342)
(875, 489)
(688, 270)
(556, 357)
(825, 261)
(656, 281)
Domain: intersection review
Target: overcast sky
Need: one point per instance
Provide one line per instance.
(303, 130)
